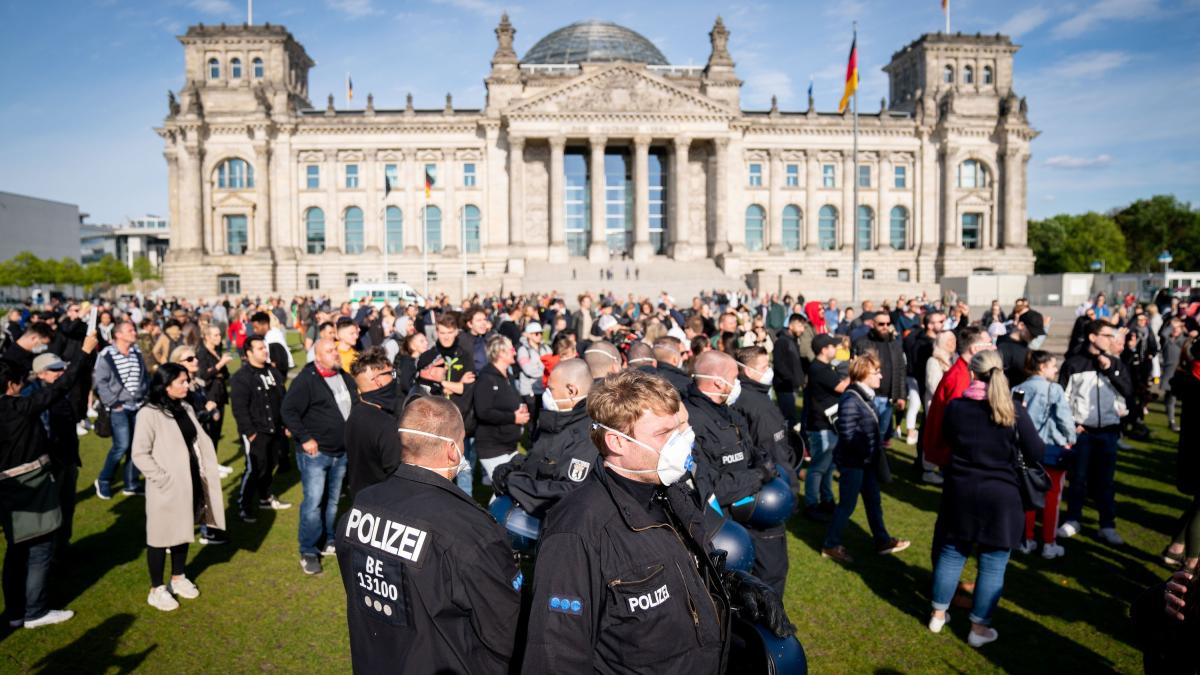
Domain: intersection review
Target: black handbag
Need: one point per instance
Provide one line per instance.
(102, 426)
(1032, 480)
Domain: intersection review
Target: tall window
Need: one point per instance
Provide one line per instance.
(351, 175)
(235, 174)
(972, 174)
(792, 175)
(901, 176)
(235, 69)
(899, 231)
(351, 279)
(394, 227)
(828, 176)
(314, 230)
(658, 202)
(432, 217)
(431, 171)
(618, 201)
(471, 220)
(576, 201)
(469, 174)
(948, 75)
(312, 282)
(354, 230)
(864, 176)
(257, 64)
(791, 227)
(214, 69)
(229, 284)
(970, 230)
(312, 177)
(755, 218)
(866, 227)
(827, 223)
(756, 175)
(236, 235)
(391, 175)
(987, 74)
(968, 75)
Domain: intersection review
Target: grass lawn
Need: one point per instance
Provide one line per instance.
(258, 612)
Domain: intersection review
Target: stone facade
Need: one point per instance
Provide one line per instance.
(269, 195)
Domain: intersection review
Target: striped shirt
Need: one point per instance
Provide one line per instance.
(129, 367)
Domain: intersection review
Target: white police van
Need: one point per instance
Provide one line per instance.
(378, 293)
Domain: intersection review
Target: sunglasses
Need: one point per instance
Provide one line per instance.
(188, 359)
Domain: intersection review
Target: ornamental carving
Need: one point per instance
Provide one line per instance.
(620, 89)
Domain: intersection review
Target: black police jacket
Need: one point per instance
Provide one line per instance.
(727, 459)
(676, 376)
(561, 460)
(616, 590)
(431, 583)
(767, 426)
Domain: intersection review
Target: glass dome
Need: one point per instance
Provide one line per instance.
(588, 41)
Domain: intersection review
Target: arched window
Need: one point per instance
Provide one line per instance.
(987, 74)
(354, 230)
(394, 229)
(791, 227)
(948, 74)
(755, 217)
(257, 64)
(214, 69)
(235, 174)
(968, 75)
(235, 68)
(972, 174)
(314, 230)
(866, 227)
(471, 220)
(432, 217)
(827, 223)
(899, 231)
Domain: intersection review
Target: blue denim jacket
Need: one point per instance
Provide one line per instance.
(1046, 403)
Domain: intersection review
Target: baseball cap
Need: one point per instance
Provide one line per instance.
(533, 327)
(48, 361)
(824, 340)
(607, 321)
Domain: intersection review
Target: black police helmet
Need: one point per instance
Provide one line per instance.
(773, 505)
(522, 528)
(737, 544)
(756, 651)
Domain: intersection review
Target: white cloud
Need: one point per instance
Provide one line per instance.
(213, 6)
(1090, 64)
(762, 85)
(1102, 11)
(1024, 21)
(482, 7)
(1073, 162)
(355, 9)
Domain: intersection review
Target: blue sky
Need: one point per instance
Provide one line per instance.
(1113, 85)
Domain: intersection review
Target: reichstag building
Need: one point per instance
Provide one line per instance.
(591, 148)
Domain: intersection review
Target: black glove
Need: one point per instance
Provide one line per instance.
(767, 472)
(500, 477)
(756, 602)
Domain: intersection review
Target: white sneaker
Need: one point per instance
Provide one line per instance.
(1123, 445)
(161, 598)
(912, 437)
(224, 471)
(329, 550)
(1052, 551)
(933, 478)
(81, 430)
(1068, 529)
(935, 624)
(1110, 536)
(92, 413)
(1027, 546)
(183, 587)
(49, 618)
(274, 504)
(976, 640)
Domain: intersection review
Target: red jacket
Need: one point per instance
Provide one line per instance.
(952, 386)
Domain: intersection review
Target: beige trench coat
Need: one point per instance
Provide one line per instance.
(159, 453)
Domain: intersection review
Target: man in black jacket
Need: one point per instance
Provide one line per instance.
(458, 383)
(260, 323)
(372, 444)
(668, 352)
(789, 369)
(256, 395)
(881, 340)
(431, 583)
(768, 428)
(314, 411)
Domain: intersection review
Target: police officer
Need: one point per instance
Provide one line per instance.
(668, 352)
(624, 580)
(641, 356)
(431, 583)
(767, 425)
(729, 462)
(563, 456)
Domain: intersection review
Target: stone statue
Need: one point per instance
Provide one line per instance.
(329, 106)
(172, 104)
(719, 36)
(504, 42)
(774, 105)
(370, 102)
(449, 104)
(408, 104)
(1024, 109)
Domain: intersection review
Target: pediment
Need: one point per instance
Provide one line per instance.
(233, 198)
(976, 197)
(620, 89)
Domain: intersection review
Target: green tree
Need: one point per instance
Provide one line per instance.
(26, 269)
(143, 269)
(1067, 243)
(1161, 223)
(69, 272)
(108, 271)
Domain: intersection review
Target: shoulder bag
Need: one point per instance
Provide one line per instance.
(1032, 480)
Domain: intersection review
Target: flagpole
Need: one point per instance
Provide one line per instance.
(386, 242)
(425, 242)
(463, 250)
(855, 270)
(947, 17)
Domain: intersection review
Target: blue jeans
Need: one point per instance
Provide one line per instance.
(122, 440)
(26, 566)
(1095, 463)
(883, 408)
(988, 583)
(853, 483)
(818, 482)
(321, 477)
(465, 478)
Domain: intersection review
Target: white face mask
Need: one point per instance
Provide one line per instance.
(462, 465)
(764, 376)
(674, 460)
(550, 403)
(39, 348)
(734, 392)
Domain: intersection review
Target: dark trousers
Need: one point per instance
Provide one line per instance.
(853, 483)
(67, 479)
(1095, 468)
(786, 400)
(26, 566)
(770, 556)
(213, 428)
(156, 558)
(534, 404)
(262, 456)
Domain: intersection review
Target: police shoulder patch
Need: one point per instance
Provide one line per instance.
(518, 581)
(566, 605)
(578, 470)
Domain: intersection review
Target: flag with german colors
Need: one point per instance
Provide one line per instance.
(428, 183)
(851, 75)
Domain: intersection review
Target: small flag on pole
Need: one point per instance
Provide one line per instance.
(387, 186)
(945, 5)
(428, 183)
(349, 88)
(851, 75)
(810, 83)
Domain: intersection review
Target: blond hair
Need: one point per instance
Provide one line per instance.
(179, 352)
(622, 398)
(988, 367)
(862, 366)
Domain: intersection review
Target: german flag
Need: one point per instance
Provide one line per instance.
(851, 76)
(428, 183)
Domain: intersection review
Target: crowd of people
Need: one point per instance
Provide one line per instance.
(631, 430)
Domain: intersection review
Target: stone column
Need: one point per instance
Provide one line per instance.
(262, 198)
(812, 208)
(883, 206)
(680, 227)
(373, 209)
(451, 218)
(720, 242)
(598, 246)
(412, 214)
(950, 229)
(642, 250)
(516, 197)
(334, 224)
(775, 215)
(191, 222)
(849, 209)
(1013, 198)
(558, 224)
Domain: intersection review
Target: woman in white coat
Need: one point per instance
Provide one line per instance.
(182, 484)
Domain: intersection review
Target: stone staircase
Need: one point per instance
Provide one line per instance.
(680, 279)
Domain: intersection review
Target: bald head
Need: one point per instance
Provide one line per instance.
(602, 358)
(640, 354)
(572, 372)
(325, 354)
(431, 415)
(668, 349)
(715, 373)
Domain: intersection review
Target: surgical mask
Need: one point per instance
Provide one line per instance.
(734, 392)
(606, 355)
(38, 349)
(674, 460)
(550, 403)
(764, 376)
(462, 465)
